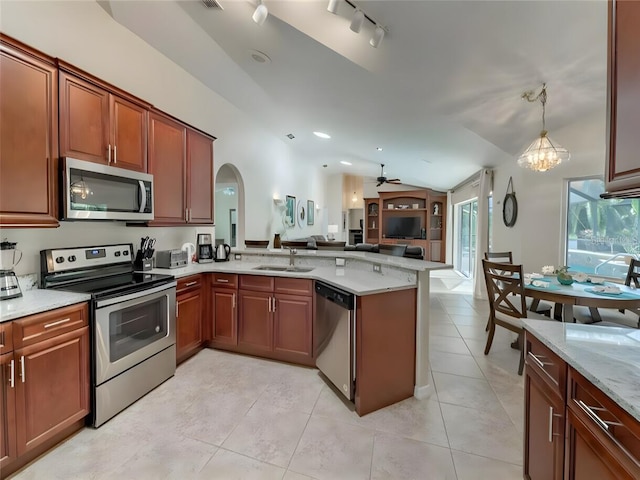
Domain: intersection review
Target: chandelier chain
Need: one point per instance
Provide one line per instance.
(542, 96)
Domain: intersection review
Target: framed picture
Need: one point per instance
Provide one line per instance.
(310, 212)
(290, 213)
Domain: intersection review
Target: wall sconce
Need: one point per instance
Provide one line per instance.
(332, 230)
(354, 199)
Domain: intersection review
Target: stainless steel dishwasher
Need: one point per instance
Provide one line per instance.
(334, 336)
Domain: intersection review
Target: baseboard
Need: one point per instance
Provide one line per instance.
(425, 391)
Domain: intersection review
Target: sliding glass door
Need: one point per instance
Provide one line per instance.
(467, 215)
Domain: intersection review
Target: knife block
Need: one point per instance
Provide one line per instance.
(142, 264)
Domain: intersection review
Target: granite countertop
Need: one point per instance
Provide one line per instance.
(36, 301)
(609, 357)
(358, 282)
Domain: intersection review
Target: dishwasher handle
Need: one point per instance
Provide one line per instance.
(341, 298)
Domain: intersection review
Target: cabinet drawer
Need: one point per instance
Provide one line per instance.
(616, 430)
(548, 365)
(257, 283)
(224, 280)
(293, 286)
(33, 329)
(6, 340)
(189, 283)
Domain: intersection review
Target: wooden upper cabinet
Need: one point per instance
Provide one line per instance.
(623, 166)
(167, 163)
(199, 177)
(28, 137)
(98, 125)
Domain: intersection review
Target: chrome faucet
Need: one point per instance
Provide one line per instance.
(292, 252)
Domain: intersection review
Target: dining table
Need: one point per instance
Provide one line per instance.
(583, 293)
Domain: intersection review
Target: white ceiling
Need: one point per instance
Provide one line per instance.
(441, 94)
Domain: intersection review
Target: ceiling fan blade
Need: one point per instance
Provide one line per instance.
(380, 183)
(394, 180)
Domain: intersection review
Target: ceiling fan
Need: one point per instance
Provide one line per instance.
(382, 179)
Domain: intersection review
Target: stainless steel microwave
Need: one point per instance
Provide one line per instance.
(91, 191)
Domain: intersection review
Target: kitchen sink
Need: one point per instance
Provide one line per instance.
(283, 268)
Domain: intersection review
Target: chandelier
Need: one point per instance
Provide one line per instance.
(543, 154)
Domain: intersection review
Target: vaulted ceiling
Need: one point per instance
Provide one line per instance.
(441, 95)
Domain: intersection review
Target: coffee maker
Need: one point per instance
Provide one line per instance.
(9, 258)
(204, 248)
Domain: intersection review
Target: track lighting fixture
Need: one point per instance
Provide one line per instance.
(333, 6)
(357, 21)
(261, 14)
(378, 35)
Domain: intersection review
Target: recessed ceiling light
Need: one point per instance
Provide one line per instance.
(345, 162)
(321, 135)
(379, 149)
(259, 57)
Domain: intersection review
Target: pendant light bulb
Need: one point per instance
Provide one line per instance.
(357, 21)
(377, 37)
(261, 14)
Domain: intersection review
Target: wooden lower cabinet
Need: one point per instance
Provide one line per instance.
(190, 305)
(270, 317)
(544, 441)
(573, 430)
(45, 384)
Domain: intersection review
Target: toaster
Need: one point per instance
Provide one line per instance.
(172, 258)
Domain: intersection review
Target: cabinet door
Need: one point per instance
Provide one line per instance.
(167, 163)
(52, 387)
(255, 320)
(28, 140)
(224, 316)
(129, 134)
(189, 324)
(200, 177)
(8, 449)
(84, 120)
(623, 166)
(292, 324)
(544, 430)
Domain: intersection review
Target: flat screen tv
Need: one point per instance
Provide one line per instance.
(403, 227)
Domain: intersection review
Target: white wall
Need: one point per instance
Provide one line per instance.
(83, 34)
(536, 238)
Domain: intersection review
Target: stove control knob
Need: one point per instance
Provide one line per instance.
(125, 252)
(59, 259)
(117, 254)
(72, 258)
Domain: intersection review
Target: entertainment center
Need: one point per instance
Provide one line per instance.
(412, 217)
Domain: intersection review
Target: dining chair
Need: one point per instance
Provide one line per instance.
(611, 317)
(507, 306)
(534, 305)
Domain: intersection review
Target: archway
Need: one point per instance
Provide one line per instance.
(229, 206)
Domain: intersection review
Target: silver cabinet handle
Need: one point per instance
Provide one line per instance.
(536, 360)
(233, 299)
(551, 415)
(592, 415)
(109, 154)
(2, 338)
(186, 214)
(177, 304)
(274, 304)
(115, 155)
(222, 280)
(12, 374)
(59, 322)
(270, 305)
(23, 374)
(190, 284)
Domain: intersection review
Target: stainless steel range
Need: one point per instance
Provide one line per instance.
(133, 320)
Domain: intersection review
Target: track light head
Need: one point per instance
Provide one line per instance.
(377, 37)
(357, 21)
(333, 6)
(261, 14)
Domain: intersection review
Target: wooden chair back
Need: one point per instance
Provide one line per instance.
(633, 275)
(505, 288)
(503, 257)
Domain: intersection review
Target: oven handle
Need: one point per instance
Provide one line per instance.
(133, 296)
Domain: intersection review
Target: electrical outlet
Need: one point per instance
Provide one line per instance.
(237, 256)
(340, 262)
(377, 267)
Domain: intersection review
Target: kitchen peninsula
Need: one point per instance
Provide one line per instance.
(384, 285)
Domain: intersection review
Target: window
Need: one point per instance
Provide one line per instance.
(602, 235)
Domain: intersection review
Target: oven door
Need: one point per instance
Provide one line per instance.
(131, 328)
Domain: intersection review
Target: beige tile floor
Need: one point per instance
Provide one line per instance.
(226, 416)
